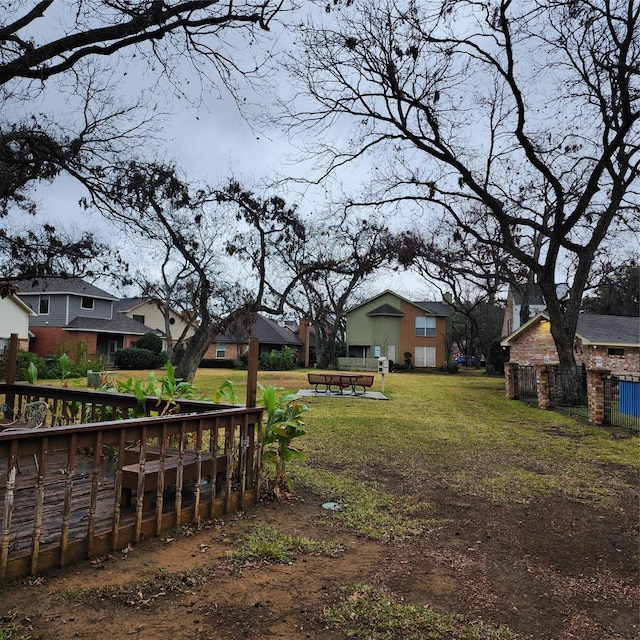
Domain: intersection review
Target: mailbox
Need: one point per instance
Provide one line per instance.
(383, 365)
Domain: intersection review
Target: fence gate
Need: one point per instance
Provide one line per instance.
(527, 390)
(568, 391)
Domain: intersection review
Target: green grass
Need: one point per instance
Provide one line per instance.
(371, 614)
(375, 458)
(374, 455)
(264, 543)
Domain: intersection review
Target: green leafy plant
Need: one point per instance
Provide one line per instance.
(284, 423)
(31, 373)
(168, 391)
(65, 369)
(283, 360)
(226, 393)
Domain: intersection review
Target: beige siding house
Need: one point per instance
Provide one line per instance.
(14, 318)
(149, 313)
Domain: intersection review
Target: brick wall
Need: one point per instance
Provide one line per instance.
(533, 346)
(409, 341)
(51, 341)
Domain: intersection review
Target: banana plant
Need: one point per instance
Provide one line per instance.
(284, 422)
(31, 373)
(65, 369)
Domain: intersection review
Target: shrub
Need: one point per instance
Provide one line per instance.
(24, 359)
(278, 360)
(450, 367)
(150, 341)
(216, 363)
(135, 358)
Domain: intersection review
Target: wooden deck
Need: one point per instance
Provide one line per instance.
(56, 480)
(66, 487)
(78, 505)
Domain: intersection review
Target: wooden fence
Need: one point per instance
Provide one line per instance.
(65, 490)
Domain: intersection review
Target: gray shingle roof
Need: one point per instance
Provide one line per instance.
(75, 286)
(436, 308)
(125, 304)
(267, 331)
(605, 330)
(118, 324)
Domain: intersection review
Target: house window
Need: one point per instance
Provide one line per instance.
(615, 351)
(221, 350)
(425, 357)
(43, 306)
(86, 302)
(139, 319)
(376, 351)
(425, 326)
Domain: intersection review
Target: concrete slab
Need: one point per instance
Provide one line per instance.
(369, 395)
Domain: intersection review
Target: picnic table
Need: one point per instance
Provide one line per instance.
(337, 382)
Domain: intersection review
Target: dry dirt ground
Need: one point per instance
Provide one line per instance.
(552, 570)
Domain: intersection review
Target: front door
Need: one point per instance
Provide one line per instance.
(112, 347)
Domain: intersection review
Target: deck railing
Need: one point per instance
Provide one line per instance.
(66, 489)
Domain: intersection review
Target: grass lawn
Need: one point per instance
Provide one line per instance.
(460, 427)
(463, 516)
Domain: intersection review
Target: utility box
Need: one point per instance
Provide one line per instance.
(383, 365)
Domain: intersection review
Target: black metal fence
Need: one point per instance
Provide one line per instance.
(527, 389)
(568, 391)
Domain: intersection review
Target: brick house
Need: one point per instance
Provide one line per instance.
(611, 342)
(234, 342)
(390, 325)
(77, 318)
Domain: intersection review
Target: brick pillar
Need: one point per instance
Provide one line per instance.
(543, 386)
(595, 395)
(511, 380)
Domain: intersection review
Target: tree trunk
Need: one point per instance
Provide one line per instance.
(196, 348)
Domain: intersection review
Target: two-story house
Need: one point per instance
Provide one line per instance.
(150, 312)
(390, 325)
(75, 317)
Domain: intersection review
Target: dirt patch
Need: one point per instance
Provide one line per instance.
(552, 570)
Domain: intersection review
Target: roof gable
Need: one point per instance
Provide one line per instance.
(386, 310)
(434, 308)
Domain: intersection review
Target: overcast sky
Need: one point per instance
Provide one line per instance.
(209, 140)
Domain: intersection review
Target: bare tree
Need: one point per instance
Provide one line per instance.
(348, 252)
(231, 271)
(36, 251)
(80, 45)
(518, 123)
